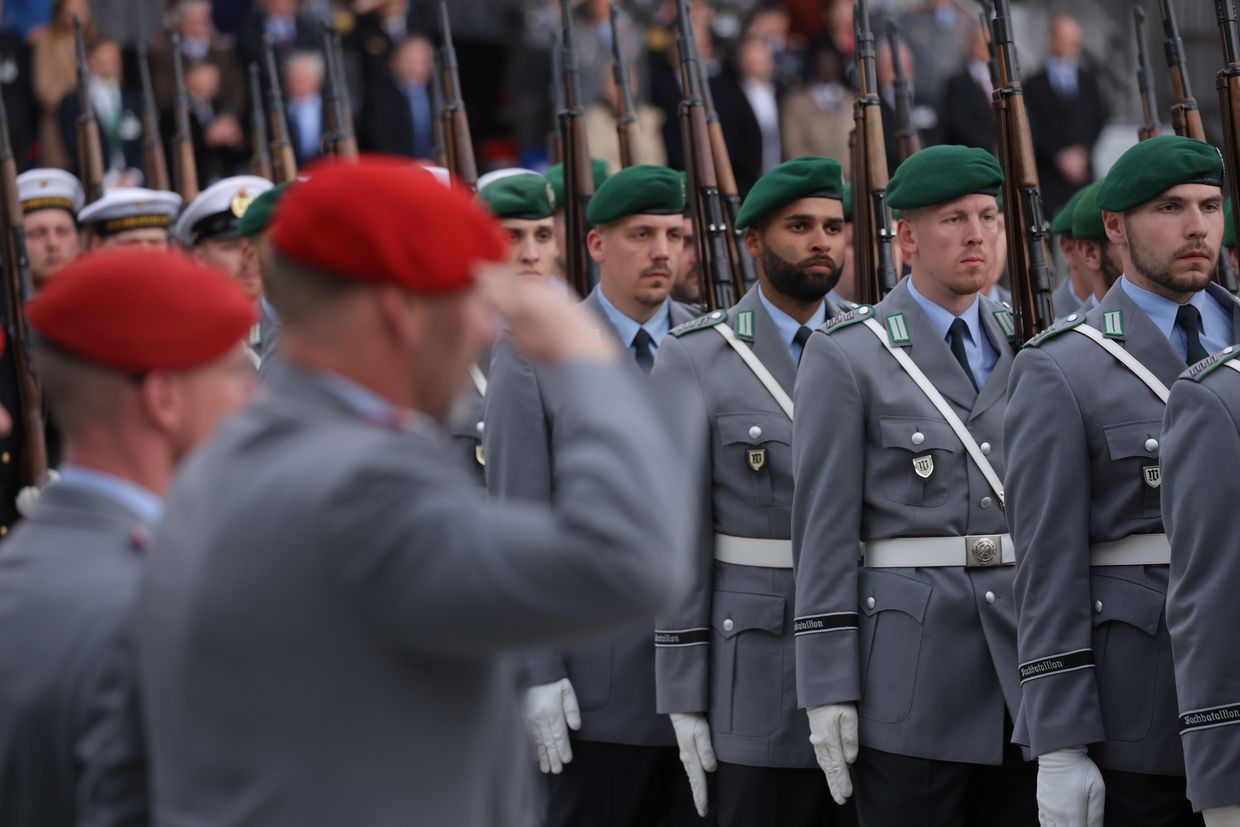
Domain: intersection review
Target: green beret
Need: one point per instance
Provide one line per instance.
(943, 173)
(805, 177)
(1086, 217)
(1229, 229)
(555, 174)
(258, 215)
(1152, 167)
(519, 196)
(1062, 223)
(847, 199)
(643, 189)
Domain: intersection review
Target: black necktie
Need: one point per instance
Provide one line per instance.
(800, 338)
(1188, 319)
(956, 333)
(643, 343)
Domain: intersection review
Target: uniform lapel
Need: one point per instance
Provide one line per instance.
(927, 348)
(767, 344)
(1229, 302)
(1141, 337)
(995, 388)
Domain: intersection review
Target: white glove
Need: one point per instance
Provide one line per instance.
(550, 711)
(1071, 792)
(1228, 816)
(696, 753)
(833, 732)
(28, 497)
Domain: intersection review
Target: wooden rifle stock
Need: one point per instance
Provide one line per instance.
(578, 171)
(460, 145)
(626, 123)
(1228, 83)
(152, 141)
(1185, 114)
(1145, 79)
(90, 149)
(908, 141)
(283, 160)
(331, 110)
(872, 231)
(346, 138)
(439, 153)
(184, 165)
(260, 161)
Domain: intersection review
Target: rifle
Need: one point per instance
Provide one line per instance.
(90, 150)
(626, 124)
(1185, 116)
(184, 165)
(260, 163)
(873, 236)
(1145, 78)
(283, 161)
(338, 138)
(152, 142)
(1026, 228)
(455, 122)
(17, 291)
(1228, 82)
(710, 234)
(907, 139)
(346, 140)
(331, 106)
(555, 151)
(439, 153)
(578, 174)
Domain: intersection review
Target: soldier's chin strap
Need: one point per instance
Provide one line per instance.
(941, 405)
(1126, 359)
(759, 370)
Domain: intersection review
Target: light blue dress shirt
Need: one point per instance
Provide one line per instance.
(144, 503)
(788, 326)
(1064, 76)
(977, 345)
(626, 328)
(307, 113)
(1215, 320)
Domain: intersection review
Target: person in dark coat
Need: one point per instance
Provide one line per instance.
(398, 118)
(747, 100)
(966, 114)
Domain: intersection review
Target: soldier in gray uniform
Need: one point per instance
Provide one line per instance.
(1097, 259)
(1074, 290)
(1201, 473)
(624, 769)
(334, 651)
(725, 658)
(119, 359)
(902, 451)
(1083, 433)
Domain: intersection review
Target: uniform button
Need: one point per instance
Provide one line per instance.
(479, 427)
(985, 502)
(755, 432)
(1072, 318)
(918, 437)
(728, 625)
(870, 603)
(1098, 607)
(990, 597)
(1151, 445)
(985, 446)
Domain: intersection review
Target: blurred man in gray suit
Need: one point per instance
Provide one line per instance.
(323, 625)
(620, 767)
(137, 377)
(725, 657)
(1201, 474)
(913, 655)
(1083, 428)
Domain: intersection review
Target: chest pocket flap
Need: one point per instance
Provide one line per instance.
(753, 428)
(917, 435)
(736, 612)
(886, 591)
(1120, 600)
(1130, 439)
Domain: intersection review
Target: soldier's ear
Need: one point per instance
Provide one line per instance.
(594, 242)
(753, 243)
(1117, 229)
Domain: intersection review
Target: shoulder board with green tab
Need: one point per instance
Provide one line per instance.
(857, 314)
(1209, 364)
(1065, 324)
(700, 323)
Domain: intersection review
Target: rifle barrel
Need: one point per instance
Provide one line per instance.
(90, 149)
(283, 160)
(1185, 114)
(260, 163)
(1145, 78)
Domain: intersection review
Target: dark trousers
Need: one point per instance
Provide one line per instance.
(617, 785)
(1138, 800)
(899, 791)
(744, 796)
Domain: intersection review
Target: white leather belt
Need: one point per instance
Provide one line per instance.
(753, 551)
(1133, 550)
(974, 551)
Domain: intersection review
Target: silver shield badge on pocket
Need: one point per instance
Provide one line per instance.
(923, 466)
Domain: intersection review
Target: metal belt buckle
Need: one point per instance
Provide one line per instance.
(983, 551)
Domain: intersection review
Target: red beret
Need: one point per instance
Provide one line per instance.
(138, 310)
(386, 220)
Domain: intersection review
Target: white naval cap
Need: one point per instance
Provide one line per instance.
(507, 172)
(217, 210)
(130, 208)
(46, 188)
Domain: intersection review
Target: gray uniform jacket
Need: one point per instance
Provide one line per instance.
(613, 676)
(67, 580)
(1200, 479)
(1081, 432)
(323, 622)
(728, 650)
(932, 655)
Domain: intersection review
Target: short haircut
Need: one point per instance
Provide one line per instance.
(299, 292)
(78, 392)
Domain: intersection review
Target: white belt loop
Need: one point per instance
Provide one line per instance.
(1127, 360)
(1133, 550)
(759, 370)
(974, 551)
(753, 551)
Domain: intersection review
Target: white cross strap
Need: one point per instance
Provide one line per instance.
(759, 370)
(1126, 359)
(1233, 365)
(945, 410)
(480, 381)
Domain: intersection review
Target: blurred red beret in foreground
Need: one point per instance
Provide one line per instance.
(386, 220)
(142, 310)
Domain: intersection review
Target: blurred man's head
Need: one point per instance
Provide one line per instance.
(413, 62)
(754, 60)
(104, 60)
(194, 20)
(1065, 38)
(130, 217)
(50, 199)
(525, 207)
(688, 286)
(303, 75)
(280, 8)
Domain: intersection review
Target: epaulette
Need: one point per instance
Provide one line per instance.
(1064, 324)
(1207, 365)
(700, 323)
(858, 314)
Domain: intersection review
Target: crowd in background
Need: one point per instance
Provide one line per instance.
(780, 73)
